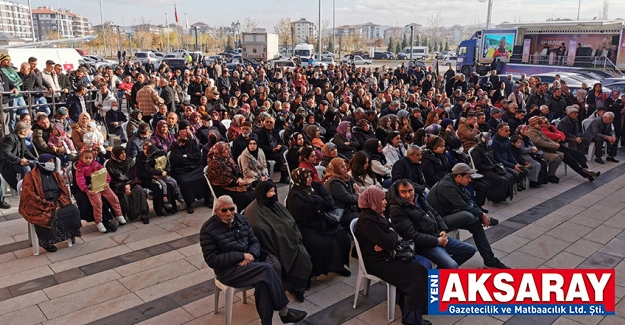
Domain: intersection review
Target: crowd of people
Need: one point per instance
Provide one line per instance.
(408, 153)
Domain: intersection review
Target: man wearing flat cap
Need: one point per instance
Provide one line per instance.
(570, 127)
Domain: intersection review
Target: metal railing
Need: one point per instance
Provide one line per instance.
(31, 107)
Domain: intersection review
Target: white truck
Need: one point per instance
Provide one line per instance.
(303, 51)
(68, 58)
(418, 52)
(260, 46)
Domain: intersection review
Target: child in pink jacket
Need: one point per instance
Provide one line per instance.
(85, 167)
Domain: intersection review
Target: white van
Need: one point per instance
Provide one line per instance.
(418, 52)
(304, 51)
(68, 58)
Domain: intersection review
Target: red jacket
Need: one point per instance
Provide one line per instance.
(554, 134)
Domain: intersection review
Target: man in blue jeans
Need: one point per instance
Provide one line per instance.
(451, 200)
(413, 218)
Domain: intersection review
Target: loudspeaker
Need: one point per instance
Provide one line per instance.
(517, 54)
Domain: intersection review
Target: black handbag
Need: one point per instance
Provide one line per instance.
(497, 167)
(334, 217)
(404, 250)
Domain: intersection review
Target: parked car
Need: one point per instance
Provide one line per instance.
(391, 55)
(212, 59)
(380, 56)
(239, 60)
(357, 60)
(401, 56)
(620, 86)
(450, 60)
(282, 63)
(159, 55)
(176, 63)
(412, 63)
(143, 57)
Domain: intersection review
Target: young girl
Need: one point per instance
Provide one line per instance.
(157, 165)
(59, 138)
(85, 167)
(94, 138)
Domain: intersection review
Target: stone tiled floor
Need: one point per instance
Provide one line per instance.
(155, 274)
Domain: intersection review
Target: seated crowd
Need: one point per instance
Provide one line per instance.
(382, 149)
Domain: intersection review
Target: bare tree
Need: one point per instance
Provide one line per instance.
(283, 29)
(471, 29)
(603, 15)
(249, 24)
(435, 28)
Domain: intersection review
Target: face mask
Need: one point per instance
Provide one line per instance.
(49, 166)
(114, 108)
(460, 151)
(490, 143)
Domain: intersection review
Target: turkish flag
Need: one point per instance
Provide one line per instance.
(176, 13)
(68, 66)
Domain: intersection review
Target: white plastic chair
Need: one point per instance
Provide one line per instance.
(281, 133)
(391, 290)
(288, 169)
(32, 234)
(230, 292)
(471, 158)
(226, 123)
(320, 171)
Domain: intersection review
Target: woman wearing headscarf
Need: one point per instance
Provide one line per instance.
(80, 128)
(281, 242)
(580, 101)
(376, 239)
(226, 178)
(235, 127)
(162, 138)
(327, 242)
(343, 189)
(195, 121)
(146, 181)
(447, 130)
(46, 203)
(344, 141)
(329, 152)
(314, 135)
(307, 159)
(404, 126)
(188, 170)
(136, 117)
(126, 184)
(384, 129)
(379, 165)
(253, 163)
(216, 120)
(362, 132)
(499, 186)
(292, 155)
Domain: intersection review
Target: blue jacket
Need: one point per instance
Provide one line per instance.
(502, 151)
(404, 168)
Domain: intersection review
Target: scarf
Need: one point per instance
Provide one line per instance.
(581, 95)
(44, 158)
(255, 152)
(371, 148)
(260, 193)
(334, 171)
(311, 132)
(327, 149)
(217, 152)
(122, 165)
(382, 124)
(13, 76)
(372, 199)
(299, 177)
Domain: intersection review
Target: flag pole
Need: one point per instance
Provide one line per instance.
(167, 31)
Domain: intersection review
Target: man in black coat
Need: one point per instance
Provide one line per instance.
(417, 220)
(409, 167)
(452, 202)
(230, 248)
(167, 94)
(16, 158)
(570, 127)
(272, 145)
(539, 97)
(557, 104)
(600, 131)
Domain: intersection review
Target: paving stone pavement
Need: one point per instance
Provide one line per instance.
(155, 274)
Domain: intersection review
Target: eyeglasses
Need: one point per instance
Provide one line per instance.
(227, 209)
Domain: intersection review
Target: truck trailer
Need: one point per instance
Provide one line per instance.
(532, 48)
(260, 46)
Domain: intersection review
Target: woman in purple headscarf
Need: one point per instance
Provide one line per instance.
(344, 141)
(376, 239)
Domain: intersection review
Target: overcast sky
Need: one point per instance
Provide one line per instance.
(382, 12)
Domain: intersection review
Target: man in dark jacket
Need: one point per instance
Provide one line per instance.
(451, 201)
(599, 131)
(409, 167)
(495, 118)
(272, 145)
(230, 248)
(76, 102)
(557, 104)
(570, 127)
(502, 151)
(538, 98)
(415, 219)
(16, 158)
(135, 143)
(167, 94)
(41, 134)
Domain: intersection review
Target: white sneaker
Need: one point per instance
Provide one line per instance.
(121, 220)
(101, 227)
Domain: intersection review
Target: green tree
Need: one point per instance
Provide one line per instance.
(229, 44)
(330, 46)
(446, 46)
(426, 43)
(398, 48)
(390, 45)
(404, 42)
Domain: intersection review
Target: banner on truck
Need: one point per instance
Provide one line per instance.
(621, 60)
(560, 44)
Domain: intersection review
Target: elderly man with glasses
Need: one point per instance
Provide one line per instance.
(231, 249)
